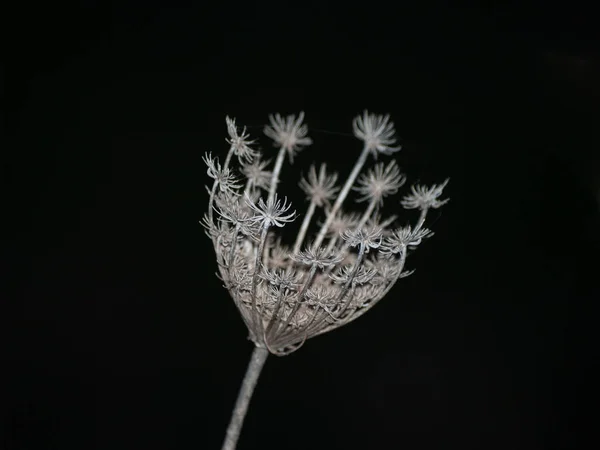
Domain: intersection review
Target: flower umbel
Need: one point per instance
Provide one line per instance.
(320, 257)
(240, 143)
(257, 175)
(404, 237)
(348, 240)
(379, 182)
(288, 133)
(287, 295)
(377, 132)
(423, 197)
(223, 177)
(319, 188)
(271, 212)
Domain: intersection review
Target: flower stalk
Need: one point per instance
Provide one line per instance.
(257, 361)
(362, 159)
(324, 281)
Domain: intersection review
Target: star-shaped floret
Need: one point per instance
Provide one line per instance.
(320, 188)
(288, 133)
(423, 197)
(404, 237)
(222, 175)
(240, 143)
(319, 257)
(379, 182)
(271, 212)
(256, 173)
(366, 237)
(377, 132)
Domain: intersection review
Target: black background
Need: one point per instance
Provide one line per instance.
(125, 337)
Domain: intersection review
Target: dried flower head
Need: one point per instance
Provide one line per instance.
(240, 143)
(404, 237)
(224, 178)
(423, 197)
(288, 133)
(288, 295)
(319, 188)
(272, 212)
(377, 132)
(379, 182)
(256, 174)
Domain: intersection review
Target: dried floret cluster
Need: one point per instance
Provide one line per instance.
(287, 294)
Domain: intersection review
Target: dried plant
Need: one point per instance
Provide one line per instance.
(287, 295)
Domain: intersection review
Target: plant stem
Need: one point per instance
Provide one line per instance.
(257, 361)
(276, 171)
(421, 219)
(304, 227)
(367, 213)
(256, 319)
(342, 196)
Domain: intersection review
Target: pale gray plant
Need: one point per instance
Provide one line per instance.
(287, 295)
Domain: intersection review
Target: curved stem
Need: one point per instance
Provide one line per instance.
(355, 269)
(367, 213)
(422, 218)
(215, 184)
(381, 295)
(248, 187)
(261, 246)
(236, 230)
(309, 279)
(257, 361)
(342, 196)
(304, 227)
(211, 202)
(401, 263)
(331, 244)
(228, 158)
(276, 171)
(274, 317)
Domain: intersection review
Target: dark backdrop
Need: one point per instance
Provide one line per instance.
(125, 337)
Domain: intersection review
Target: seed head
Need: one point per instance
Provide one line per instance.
(287, 294)
(320, 188)
(379, 182)
(288, 133)
(377, 132)
(423, 197)
(240, 143)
